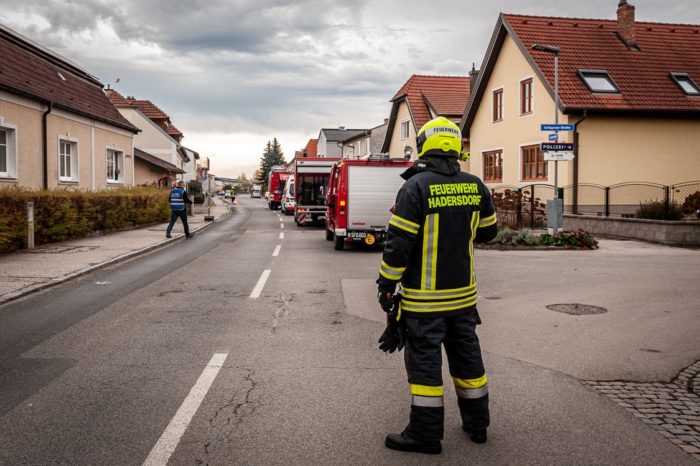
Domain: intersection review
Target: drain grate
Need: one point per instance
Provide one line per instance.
(576, 309)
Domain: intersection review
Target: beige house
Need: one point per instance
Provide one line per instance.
(419, 100)
(158, 136)
(629, 88)
(57, 128)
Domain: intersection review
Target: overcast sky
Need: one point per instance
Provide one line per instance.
(233, 74)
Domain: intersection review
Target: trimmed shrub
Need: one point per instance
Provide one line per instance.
(509, 237)
(656, 210)
(198, 198)
(691, 204)
(570, 239)
(62, 214)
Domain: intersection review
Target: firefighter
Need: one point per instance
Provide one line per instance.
(440, 212)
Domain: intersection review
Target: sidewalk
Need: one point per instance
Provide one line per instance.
(26, 271)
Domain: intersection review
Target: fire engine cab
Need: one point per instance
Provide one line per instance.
(361, 193)
(275, 185)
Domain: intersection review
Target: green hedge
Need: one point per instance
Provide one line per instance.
(61, 214)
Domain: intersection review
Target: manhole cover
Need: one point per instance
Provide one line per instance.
(576, 309)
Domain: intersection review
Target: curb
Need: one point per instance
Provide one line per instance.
(13, 295)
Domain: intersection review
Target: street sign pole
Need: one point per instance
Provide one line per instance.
(555, 223)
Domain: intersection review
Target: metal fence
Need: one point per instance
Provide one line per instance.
(524, 206)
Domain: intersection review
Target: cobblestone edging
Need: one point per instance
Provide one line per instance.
(672, 409)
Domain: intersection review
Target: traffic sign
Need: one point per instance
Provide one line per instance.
(557, 147)
(558, 156)
(556, 127)
(554, 137)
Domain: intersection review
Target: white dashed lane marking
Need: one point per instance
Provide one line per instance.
(261, 284)
(276, 252)
(164, 448)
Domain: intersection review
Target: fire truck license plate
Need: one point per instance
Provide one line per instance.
(357, 234)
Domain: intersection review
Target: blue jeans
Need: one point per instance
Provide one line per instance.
(174, 215)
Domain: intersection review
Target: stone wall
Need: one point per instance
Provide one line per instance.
(655, 231)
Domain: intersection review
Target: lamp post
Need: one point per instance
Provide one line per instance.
(554, 221)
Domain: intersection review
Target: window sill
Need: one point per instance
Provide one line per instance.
(69, 182)
(115, 183)
(8, 178)
(497, 121)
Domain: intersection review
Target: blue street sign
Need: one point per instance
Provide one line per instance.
(553, 127)
(556, 146)
(554, 137)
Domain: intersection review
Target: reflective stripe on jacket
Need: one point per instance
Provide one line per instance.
(177, 199)
(430, 242)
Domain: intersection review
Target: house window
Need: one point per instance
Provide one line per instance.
(404, 129)
(493, 166)
(497, 105)
(114, 166)
(3, 153)
(526, 96)
(8, 157)
(686, 84)
(598, 81)
(533, 164)
(67, 160)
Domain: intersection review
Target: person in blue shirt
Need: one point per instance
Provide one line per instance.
(178, 199)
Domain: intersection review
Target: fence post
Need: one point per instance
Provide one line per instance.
(607, 201)
(532, 206)
(667, 201)
(519, 209)
(30, 225)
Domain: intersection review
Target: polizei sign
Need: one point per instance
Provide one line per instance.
(556, 146)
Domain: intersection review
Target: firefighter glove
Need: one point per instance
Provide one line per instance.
(394, 336)
(386, 301)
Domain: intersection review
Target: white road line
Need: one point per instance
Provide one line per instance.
(282, 225)
(167, 442)
(261, 283)
(281, 235)
(276, 252)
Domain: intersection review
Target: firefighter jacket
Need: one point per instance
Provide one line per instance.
(440, 213)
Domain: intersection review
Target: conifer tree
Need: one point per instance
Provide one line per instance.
(272, 155)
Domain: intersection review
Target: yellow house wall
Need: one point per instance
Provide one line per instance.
(147, 173)
(397, 144)
(514, 130)
(27, 120)
(659, 150)
(105, 140)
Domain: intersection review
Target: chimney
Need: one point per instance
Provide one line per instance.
(625, 24)
(386, 121)
(473, 74)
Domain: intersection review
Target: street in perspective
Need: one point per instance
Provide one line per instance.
(496, 263)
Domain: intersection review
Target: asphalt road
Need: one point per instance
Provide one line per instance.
(184, 356)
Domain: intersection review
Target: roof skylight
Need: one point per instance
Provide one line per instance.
(686, 84)
(598, 81)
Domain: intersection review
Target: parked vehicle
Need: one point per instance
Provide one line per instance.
(311, 175)
(360, 197)
(256, 191)
(275, 183)
(288, 203)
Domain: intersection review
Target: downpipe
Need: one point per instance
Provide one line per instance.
(45, 148)
(576, 169)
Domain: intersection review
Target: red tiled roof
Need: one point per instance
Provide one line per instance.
(149, 109)
(35, 72)
(643, 76)
(447, 95)
(311, 148)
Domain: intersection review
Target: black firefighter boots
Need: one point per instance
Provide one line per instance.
(476, 435)
(403, 442)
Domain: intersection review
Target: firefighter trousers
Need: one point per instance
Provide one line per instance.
(423, 358)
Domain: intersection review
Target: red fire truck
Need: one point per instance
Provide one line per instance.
(311, 175)
(275, 185)
(361, 194)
